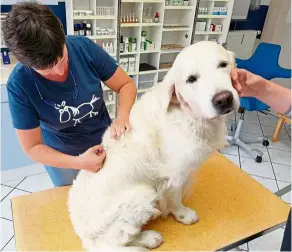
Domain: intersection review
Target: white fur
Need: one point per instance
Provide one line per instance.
(174, 129)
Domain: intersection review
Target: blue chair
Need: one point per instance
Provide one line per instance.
(264, 62)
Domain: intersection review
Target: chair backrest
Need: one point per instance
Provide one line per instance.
(264, 62)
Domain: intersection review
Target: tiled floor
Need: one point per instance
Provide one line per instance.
(274, 173)
(275, 170)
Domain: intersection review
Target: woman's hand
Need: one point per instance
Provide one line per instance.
(247, 84)
(120, 126)
(92, 159)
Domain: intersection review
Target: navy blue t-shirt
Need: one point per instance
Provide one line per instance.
(72, 114)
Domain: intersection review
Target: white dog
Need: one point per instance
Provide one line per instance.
(175, 126)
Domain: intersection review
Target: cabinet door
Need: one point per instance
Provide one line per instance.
(11, 151)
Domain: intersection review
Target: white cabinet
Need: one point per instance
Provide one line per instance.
(242, 43)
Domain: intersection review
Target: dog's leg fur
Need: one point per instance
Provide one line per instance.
(181, 213)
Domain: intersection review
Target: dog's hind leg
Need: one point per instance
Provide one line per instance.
(181, 213)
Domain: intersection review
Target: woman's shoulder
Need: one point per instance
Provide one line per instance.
(17, 76)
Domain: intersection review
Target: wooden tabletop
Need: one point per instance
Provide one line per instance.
(232, 206)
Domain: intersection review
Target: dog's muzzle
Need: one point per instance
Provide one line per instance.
(223, 102)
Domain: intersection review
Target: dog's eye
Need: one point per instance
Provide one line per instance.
(192, 78)
(222, 64)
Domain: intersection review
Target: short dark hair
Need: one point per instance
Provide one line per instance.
(34, 35)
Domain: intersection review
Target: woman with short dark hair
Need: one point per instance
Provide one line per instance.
(55, 94)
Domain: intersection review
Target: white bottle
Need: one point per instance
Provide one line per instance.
(126, 44)
(103, 46)
(107, 48)
(111, 47)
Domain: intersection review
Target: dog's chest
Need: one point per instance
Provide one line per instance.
(188, 142)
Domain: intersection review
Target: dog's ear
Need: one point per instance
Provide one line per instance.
(170, 97)
(232, 59)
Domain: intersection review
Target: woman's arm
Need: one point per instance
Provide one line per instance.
(32, 144)
(248, 84)
(122, 84)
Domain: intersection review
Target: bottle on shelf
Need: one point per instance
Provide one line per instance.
(76, 29)
(134, 45)
(126, 44)
(88, 30)
(130, 45)
(156, 18)
(111, 48)
(142, 46)
(122, 46)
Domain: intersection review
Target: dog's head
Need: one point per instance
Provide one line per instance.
(200, 79)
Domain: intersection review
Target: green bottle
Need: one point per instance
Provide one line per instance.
(130, 45)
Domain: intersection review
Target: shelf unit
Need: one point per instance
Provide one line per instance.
(175, 27)
(102, 21)
(209, 18)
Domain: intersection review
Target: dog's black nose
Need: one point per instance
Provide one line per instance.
(223, 102)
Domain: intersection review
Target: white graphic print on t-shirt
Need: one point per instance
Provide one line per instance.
(68, 113)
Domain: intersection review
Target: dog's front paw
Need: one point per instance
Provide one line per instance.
(150, 239)
(186, 215)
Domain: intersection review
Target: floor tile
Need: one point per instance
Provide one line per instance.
(234, 159)
(288, 129)
(269, 242)
(286, 197)
(5, 190)
(250, 117)
(268, 120)
(13, 182)
(283, 144)
(282, 172)
(263, 169)
(270, 184)
(230, 150)
(269, 132)
(256, 146)
(6, 211)
(255, 139)
(6, 231)
(36, 183)
(252, 128)
(280, 157)
(22, 172)
(10, 246)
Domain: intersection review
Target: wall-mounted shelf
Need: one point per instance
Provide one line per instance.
(208, 33)
(142, 1)
(94, 17)
(213, 16)
(128, 53)
(171, 51)
(131, 24)
(153, 51)
(102, 37)
(179, 7)
(215, 0)
(147, 72)
(163, 70)
(176, 29)
(151, 24)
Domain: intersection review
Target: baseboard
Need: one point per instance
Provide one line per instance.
(22, 172)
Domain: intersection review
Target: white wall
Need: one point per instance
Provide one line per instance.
(277, 29)
(265, 2)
